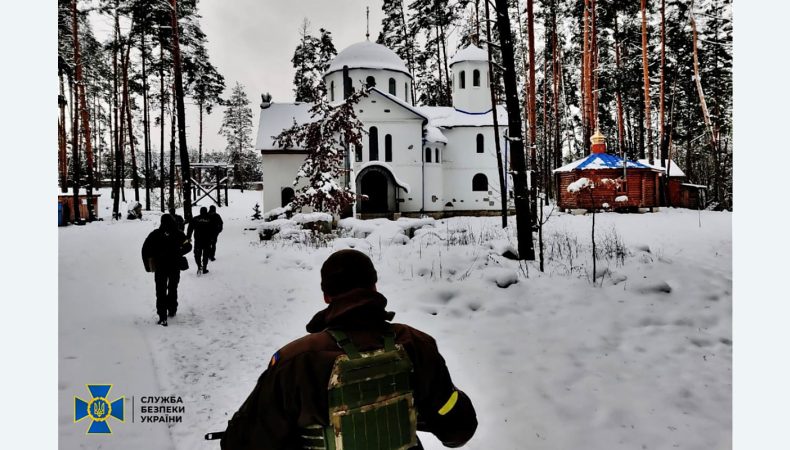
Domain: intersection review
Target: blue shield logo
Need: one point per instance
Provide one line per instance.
(99, 409)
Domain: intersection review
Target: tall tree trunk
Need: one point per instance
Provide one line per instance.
(161, 125)
(75, 152)
(182, 135)
(533, 132)
(618, 93)
(546, 140)
(585, 81)
(409, 50)
(555, 73)
(146, 129)
(448, 89)
(172, 199)
(117, 186)
(663, 143)
(494, 83)
(84, 113)
(442, 101)
(593, 67)
(128, 109)
(200, 142)
(646, 76)
(120, 155)
(712, 132)
(63, 159)
(526, 249)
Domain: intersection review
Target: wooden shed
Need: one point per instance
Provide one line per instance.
(66, 202)
(637, 183)
(681, 193)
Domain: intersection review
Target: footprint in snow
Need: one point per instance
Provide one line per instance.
(657, 287)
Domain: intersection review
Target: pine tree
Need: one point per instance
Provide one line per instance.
(327, 138)
(306, 63)
(394, 32)
(325, 51)
(205, 85)
(237, 130)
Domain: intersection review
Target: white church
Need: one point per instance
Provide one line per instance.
(439, 161)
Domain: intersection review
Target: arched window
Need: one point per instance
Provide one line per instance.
(370, 81)
(286, 195)
(374, 144)
(388, 147)
(480, 143)
(332, 91)
(437, 155)
(393, 89)
(476, 78)
(406, 89)
(357, 153)
(462, 80)
(480, 182)
(427, 155)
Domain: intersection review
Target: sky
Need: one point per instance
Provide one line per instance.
(252, 42)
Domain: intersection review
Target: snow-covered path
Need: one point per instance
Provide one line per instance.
(643, 361)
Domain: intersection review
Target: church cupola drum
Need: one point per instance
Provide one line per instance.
(369, 64)
(471, 80)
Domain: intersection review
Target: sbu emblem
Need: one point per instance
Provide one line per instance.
(99, 409)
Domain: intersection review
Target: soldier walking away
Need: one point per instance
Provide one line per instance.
(179, 219)
(163, 254)
(203, 229)
(216, 219)
(356, 381)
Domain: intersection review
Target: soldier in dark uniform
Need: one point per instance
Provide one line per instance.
(291, 395)
(217, 221)
(179, 219)
(203, 229)
(162, 252)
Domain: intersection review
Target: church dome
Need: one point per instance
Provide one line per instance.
(367, 55)
(469, 53)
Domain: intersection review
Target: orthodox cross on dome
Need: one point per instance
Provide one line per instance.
(367, 25)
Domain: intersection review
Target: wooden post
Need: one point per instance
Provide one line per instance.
(219, 191)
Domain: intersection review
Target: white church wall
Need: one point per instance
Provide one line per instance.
(434, 182)
(462, 162)
(279, 171)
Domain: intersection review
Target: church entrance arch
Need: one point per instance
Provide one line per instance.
(377, 191)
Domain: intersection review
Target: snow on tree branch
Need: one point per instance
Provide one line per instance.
(333, 129)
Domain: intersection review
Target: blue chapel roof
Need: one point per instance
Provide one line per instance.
(595, 161)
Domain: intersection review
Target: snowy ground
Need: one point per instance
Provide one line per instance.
(642, 360)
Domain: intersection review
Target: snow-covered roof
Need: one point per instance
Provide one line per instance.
(434, 134)
(595, 161)
(470, 53)
(278, 117)
(400, 102)
(367, 55)
(674, 169)
(389, 168)
(448, 117)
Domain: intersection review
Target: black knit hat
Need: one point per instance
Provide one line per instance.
(345, 270)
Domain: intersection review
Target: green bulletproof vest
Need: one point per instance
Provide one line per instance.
(371, 402)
